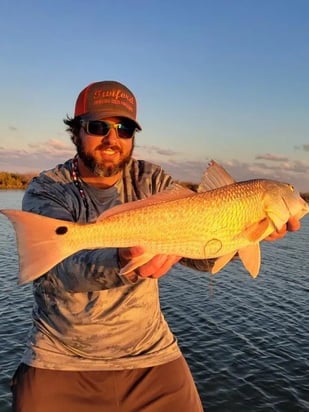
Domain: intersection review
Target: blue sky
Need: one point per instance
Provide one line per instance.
(221, 79)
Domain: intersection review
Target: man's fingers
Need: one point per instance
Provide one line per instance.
(130, 252)
(167, 265)
(158, 266)
(293, 224)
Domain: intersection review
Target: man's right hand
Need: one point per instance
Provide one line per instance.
(156, 267)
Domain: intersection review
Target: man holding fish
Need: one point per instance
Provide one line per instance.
(99, 341)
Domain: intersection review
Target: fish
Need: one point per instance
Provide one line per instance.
(223, 218)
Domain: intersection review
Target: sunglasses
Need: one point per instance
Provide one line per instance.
(125, 130)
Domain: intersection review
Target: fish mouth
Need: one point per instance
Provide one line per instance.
(304, 210)
(301, 212)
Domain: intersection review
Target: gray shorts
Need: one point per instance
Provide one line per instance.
(164, 388)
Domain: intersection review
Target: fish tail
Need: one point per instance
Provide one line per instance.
(41, 242)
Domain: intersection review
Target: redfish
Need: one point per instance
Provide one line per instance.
(216, 223)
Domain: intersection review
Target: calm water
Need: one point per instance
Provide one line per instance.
(247, 341)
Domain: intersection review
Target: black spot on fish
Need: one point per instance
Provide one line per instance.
(61, 230)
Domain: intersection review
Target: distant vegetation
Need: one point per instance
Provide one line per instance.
(305, 196)
(15, 180)
(20, 181)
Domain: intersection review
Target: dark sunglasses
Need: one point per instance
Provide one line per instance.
(125, 130)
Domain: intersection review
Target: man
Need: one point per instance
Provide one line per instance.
(99, 341)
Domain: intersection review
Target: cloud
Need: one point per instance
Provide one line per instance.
(306, 147)
(51, 145)
(157, 150)
(36, 157)
(279, 168)
(47, 154)
(13, 128)
(271, 157)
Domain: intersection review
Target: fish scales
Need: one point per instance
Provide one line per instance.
(210, 224)
(190, 227)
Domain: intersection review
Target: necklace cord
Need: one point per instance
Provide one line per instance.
(75, 175)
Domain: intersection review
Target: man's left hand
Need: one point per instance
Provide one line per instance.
(292, 225)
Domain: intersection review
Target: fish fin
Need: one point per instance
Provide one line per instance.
(135, 263)
(214, 176)
(221, 262)
(174, 193)
(39, 246)
(257, 230)
(251, 258)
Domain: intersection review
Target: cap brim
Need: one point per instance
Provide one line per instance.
(104, 115)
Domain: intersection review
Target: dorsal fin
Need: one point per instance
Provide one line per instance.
(175, 192)
(214, 176)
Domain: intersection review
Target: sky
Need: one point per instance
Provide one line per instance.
(214, 79)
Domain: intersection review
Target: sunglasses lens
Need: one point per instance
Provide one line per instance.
(100, 128)
(125, 131)
(97, 128)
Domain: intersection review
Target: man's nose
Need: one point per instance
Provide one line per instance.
(112, 136)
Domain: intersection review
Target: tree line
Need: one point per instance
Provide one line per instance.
(20, 181)
(16, 181)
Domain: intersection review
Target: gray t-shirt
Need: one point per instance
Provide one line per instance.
(86, 316)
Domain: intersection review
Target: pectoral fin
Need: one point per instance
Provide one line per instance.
(257, 231)
(251, 258)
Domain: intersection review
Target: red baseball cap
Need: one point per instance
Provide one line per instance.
(101, 100)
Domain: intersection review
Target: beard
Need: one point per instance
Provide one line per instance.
(103, 168)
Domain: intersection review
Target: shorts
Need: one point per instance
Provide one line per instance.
(163, 388)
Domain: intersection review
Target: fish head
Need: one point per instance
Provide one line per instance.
(282, 201)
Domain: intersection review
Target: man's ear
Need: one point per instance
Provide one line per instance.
(74, 139)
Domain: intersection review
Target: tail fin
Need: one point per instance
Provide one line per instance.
(41, 242)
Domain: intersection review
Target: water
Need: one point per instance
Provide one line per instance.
(246, 341)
